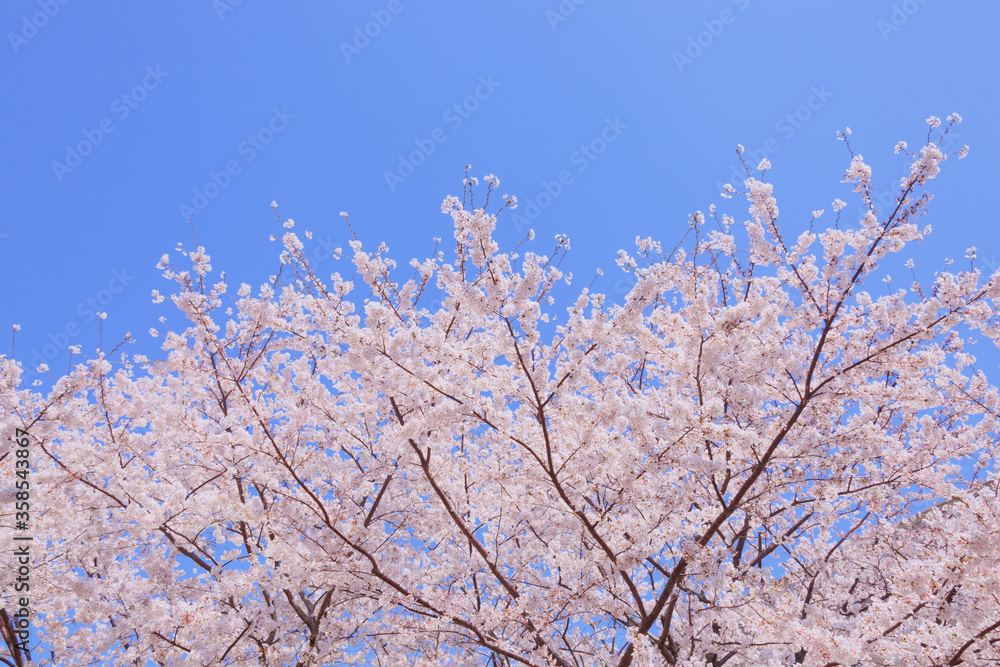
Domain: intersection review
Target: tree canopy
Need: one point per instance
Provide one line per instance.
(723, 469)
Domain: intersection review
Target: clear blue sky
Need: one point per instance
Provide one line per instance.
(302, 107)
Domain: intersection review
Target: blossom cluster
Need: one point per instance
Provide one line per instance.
(749, 460)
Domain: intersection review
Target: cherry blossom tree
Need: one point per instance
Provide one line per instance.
(751, 460)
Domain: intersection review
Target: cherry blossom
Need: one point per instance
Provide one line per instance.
(750, 460)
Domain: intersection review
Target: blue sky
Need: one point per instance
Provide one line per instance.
(124, 118)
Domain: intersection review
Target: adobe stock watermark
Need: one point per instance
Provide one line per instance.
(86, 311)
(901, 13)
(992, 265)
(223, 7)
(122, 106)
(529, 209)
(562, 12)
(786, 127)
(248, 150)
(454, 116)
(363, 35)
(327, 249)
(704, 39)
(30, 25)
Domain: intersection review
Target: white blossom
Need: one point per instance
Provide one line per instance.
(750, 442)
